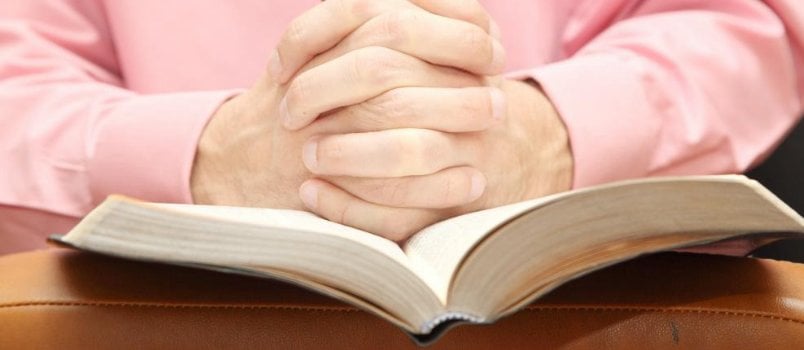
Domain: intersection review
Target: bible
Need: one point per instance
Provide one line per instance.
(473, 268)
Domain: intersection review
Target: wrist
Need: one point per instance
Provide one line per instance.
(211, 179)
(548, 156)
(204, 172)
(235, 162)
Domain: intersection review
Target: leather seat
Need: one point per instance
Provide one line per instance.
(62, 299)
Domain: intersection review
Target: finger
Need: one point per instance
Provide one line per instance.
(320, 29)
(465, 10)
(326, 24)
(435, 39)
(359, 76)
(387, 153)
(336, 205)
(442, 109)
(494, 30)
(447, 188)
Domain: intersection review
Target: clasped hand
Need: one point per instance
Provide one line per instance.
(386, 116)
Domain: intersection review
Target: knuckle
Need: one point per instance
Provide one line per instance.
(475, 39)
(454, 188)
(396, 99)
(448, 190)
(418, 152)
(358, 8)
(481, 108)
(473, 12)
(431, 152)
(331, 151)
(365, 117)
(393, 193)
(372, 191)
(390, 105)
(395, 26)
(378, 66)
(475, 106)
(391, 100)
(297, 92)
(342, 213)
(296, 33)
(407, 151)
(371, 115)
(477, 15)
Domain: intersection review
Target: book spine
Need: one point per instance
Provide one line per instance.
(435, 328)
(449, 317)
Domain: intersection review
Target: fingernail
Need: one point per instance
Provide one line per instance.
(498, 104)
(275, 66)
(309, 194)
(478, 186)
(284, 114)
(497, 55)
(310, 154)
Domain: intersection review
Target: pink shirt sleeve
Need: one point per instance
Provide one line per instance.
(666, 87)
(646, 87)
(69, 133)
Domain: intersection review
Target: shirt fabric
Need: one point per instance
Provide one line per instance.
(100, 97)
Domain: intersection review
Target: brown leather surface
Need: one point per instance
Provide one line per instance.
(60, 299)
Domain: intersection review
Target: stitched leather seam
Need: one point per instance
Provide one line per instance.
(538, 308)
(531, 308)
(177, 306)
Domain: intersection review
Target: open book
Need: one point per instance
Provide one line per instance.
(473, 268)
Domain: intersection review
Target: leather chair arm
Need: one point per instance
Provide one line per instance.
(61, 299)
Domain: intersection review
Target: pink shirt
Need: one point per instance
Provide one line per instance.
(101, 97)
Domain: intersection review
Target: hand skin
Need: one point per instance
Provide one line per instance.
(398, 181)
(386, 92)
(245, 157)
(322, 27)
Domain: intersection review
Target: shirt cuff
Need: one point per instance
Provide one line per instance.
(607, 114)
(145, 146)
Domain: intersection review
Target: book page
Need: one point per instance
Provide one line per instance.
(599, 226)
(438, 250)
(433, 254)
(343, 262)
(291, 220)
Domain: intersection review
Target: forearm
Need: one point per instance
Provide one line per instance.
(72, 133)
(707, 89)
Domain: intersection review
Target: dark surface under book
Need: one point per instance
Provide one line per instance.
(783, 174)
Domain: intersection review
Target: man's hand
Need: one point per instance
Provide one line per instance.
(389, 23)
(396, 181)
(246, 158)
